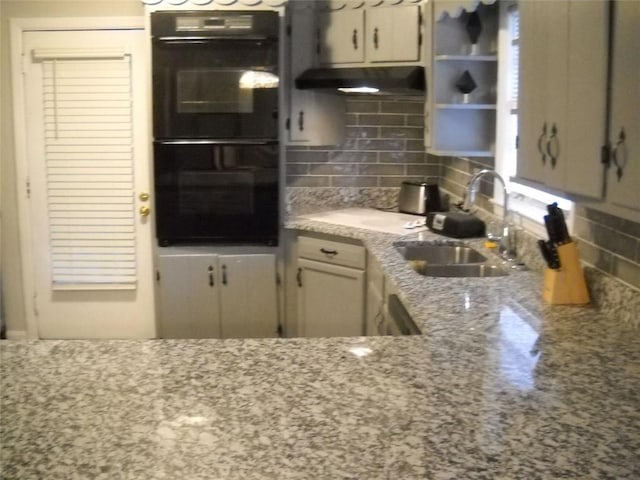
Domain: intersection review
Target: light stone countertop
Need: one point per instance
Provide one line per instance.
(499, 386)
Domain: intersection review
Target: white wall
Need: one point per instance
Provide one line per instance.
(13, 300)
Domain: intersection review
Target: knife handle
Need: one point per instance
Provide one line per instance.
(550, 254)
(555, 256)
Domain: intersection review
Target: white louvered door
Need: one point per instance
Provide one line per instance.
(86, 111)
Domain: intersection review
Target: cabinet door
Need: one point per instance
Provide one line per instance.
(586, 97)
(375, 300)
(315, 118)
(393, 34)
(561, 107)
(330, 300)
(555, 16)
(624, 189)
(532, 116)
(188, 297)
(375, 310)
(248, 296)
(340, 37)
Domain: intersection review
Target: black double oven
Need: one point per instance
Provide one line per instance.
(215, 125)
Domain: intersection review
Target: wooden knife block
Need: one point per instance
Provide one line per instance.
(566, 285)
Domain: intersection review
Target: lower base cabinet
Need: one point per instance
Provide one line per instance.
(376, 300)
(217, 296)
(331, 288)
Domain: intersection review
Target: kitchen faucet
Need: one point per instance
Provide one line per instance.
(506, 247)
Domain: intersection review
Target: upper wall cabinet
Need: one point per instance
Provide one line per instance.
(624, 128)
(562, 94)
(464, 76)
(314, 117)
(369, 35)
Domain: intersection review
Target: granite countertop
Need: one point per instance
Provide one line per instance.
(498, 386)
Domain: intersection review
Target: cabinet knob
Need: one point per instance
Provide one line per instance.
(619, 154)
(144, 211)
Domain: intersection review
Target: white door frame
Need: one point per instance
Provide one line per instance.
(17, 27)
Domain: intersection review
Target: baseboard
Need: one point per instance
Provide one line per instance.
(16, 334)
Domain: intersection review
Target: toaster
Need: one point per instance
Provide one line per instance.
(419, 198)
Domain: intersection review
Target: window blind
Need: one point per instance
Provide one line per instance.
(514, 54)
(89, 170)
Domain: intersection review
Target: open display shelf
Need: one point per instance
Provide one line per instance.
(464, 125)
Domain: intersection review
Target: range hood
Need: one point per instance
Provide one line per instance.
(377, 80)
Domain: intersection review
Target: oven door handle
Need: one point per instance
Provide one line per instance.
(212, 39)
(217, 141)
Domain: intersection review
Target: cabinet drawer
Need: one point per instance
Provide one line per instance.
(335, 253)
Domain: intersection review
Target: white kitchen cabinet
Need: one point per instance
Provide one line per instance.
(369, 35)
(331, 288)
(623, 183)
(463, 125)
(188, 299)
(393, 34)
(562, 94)
(375, 298)
(340, 36)
(217, 296)
(315, 117)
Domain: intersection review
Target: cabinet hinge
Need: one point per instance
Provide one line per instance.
(288, 30)
(280, 330)
(517, 141)
(157, 275)
(605, 154)
(28, 186)
(287, 123)
(278, 279)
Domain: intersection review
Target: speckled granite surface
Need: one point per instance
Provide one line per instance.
(499, 386)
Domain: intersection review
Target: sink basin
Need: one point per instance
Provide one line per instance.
(448, 259)
(458, 270)
(442, 253)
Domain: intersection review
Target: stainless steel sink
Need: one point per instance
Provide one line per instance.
(442, 253)
(448, 259)
(458, 270)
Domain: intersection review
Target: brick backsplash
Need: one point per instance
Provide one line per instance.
(609, 243)
(383, 146)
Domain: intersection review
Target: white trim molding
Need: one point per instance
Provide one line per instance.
(16, 335)
(221, 3)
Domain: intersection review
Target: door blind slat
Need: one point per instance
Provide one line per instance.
(89, 159)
